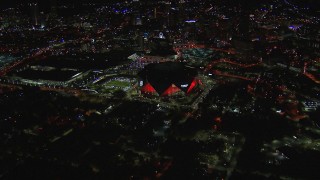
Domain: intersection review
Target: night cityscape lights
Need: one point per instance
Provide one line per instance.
(172, 89)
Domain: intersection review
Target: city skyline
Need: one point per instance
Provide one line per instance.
(174, 89)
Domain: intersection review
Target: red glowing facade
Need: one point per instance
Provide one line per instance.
(148, 89)
(167, 79)
(192, 85)
(171, 90)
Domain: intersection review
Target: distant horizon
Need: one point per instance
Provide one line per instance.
(13, 3)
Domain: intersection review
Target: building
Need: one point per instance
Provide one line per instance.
(53, 8)
(311, 105)
(34, 13)
(167, 79)
(161, 46)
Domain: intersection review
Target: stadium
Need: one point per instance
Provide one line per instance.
(168, 79)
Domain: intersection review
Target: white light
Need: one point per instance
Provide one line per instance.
(161, 35)
(190, 21)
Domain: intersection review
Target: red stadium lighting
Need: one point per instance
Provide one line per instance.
(168, 79)
(192, 85)
(171, 90)
(148, 89)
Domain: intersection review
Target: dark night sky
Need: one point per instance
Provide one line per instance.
(12, 3)
(7, 3)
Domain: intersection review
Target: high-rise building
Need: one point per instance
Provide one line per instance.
(141, 41)
(34, 13)
(136, 16)
(53, 8)
(182, 11)
(167, 12)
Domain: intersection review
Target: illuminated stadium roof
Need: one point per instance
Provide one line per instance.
(167, 78)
